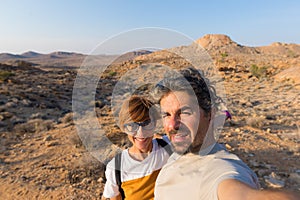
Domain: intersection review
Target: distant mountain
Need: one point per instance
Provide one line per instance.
(132, 55)
(30, 54)
(63, 54)
(65, 59)
(222, 43)
(215, 40)
(220, 47)
(55, 59)
(8, 56)
(228, 56)
(291, 50)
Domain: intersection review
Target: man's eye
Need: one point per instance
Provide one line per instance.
(186, 113)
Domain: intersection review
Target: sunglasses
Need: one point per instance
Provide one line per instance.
(134, 126)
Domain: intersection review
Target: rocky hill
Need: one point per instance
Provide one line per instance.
(42, 156)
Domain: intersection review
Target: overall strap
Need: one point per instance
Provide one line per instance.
(118, 173)
(165, 145)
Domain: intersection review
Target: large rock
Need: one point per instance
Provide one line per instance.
(291, 74)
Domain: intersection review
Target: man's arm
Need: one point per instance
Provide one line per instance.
(235, 190)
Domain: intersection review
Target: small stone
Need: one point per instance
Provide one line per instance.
(262, 172)
(295, 177)
(86, 181)
(254, 163)
(237, 130)
(228, 146)
(50, 144)
(24, 178)
(273, 181)
(48, 138)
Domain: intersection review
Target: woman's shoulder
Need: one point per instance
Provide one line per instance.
(120, 155)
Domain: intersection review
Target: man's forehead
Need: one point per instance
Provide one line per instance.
(180, 97)
(178, 100)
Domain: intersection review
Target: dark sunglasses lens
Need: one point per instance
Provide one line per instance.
(134, 126)
(145, 123)
(131, 127)
(149, 125)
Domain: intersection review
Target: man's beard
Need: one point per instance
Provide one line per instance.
(186, 146)
(183, 148)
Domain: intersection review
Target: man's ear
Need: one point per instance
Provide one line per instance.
(212, 114)
(217, 118)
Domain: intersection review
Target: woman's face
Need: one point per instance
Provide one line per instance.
(141, 134)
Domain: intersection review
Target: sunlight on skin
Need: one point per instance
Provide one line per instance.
(181, 121)
(235, 190)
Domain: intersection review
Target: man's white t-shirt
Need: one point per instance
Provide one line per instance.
(196, 177)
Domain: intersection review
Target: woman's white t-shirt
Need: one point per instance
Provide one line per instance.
(132, 169)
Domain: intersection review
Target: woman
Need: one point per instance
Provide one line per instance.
(136, 168)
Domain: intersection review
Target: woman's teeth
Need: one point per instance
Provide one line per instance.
(140, 139)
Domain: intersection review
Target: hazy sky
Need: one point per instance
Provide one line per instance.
(45, 26)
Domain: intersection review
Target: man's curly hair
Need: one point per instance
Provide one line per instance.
(193, 82)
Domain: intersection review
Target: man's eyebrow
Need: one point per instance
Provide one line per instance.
(163, 112)
(186, 108)
(180, 110)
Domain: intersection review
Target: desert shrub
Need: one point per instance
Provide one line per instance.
(112, 73)
(257, 71)
(87, 168)
(67, 119)
(5, 75)
(22, 63)
(139, 62)
(34, 126)
(256, 122)
(224, 54)
(76, 141)
(292, 54)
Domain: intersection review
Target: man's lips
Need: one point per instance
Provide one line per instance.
(179, 137)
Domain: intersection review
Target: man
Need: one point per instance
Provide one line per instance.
(200, 168)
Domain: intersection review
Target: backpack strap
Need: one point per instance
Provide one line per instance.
(118, 173)
(165, 145)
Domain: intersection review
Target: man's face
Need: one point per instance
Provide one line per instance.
(184, 121)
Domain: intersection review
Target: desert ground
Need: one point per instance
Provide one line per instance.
(42, 156)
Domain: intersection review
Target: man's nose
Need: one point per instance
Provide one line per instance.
(173, 123)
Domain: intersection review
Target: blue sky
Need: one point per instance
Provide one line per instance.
(79, 26)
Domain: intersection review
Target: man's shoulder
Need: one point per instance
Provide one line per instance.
(218, 151)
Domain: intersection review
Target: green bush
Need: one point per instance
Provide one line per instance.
(5, 75)
(224, 54)
(292, 54)
(112, 73)
(22, 63)
(258, 72)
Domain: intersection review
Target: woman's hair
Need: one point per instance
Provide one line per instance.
(137, 109)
